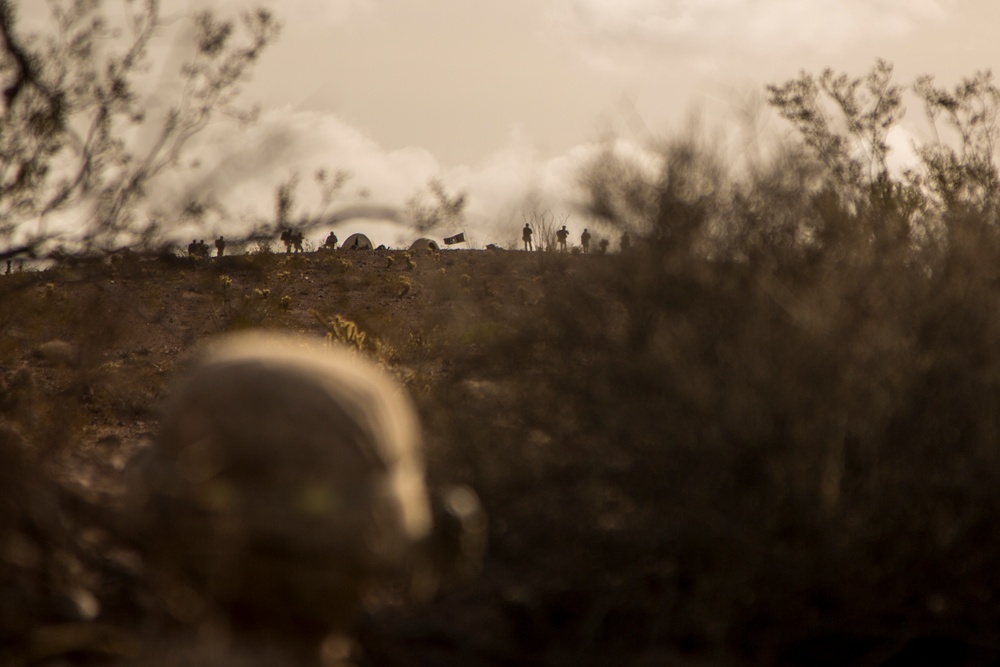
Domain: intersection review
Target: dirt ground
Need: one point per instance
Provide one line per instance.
(645, 509)
(103, 341)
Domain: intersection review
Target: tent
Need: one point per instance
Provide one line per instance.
(357, 242)
(424, 244)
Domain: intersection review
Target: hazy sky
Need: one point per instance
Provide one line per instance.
(502, 98)
(461, 77)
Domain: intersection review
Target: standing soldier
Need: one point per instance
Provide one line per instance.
(297, 241)
(561, 236)
(526, 237)
(331, 241)
(585, 241)
(220, 246)
(193, 248)
(286, 238)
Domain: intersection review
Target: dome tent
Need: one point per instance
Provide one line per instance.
(357, 242)
(423, 244)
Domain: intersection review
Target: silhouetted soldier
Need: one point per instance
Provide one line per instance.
(561, 237)
(602, 247)
(297, 241)
(585, 241)
(331, 241)
(202, 248)
(220, 246)
(526, 237)
(626, 242)
(286, 238)
(193, 248)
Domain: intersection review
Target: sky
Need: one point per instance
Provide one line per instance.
(505, 99)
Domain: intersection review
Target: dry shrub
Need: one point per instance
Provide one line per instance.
(737, 449)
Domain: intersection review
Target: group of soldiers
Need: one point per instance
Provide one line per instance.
(292, 239)
(200, 249)
(562, 236)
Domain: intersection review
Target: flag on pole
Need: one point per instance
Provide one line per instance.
(457, 238)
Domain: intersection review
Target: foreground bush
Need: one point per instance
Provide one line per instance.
(768, 433)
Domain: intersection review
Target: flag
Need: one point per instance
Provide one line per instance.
(457, 238)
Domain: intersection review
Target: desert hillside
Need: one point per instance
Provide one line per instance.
(683, 460)
(104, 339)
(758, 426)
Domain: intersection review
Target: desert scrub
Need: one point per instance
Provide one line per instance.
(334, 263)
(346, 332)
(781, 398)
(261, 249)
(296, 260)
(404, 285)
(234, 309)
(388, 283)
